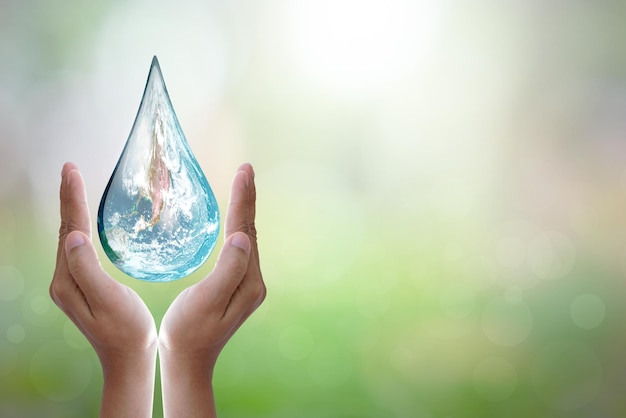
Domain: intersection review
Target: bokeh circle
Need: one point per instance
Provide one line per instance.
(59, 372)
(587, 311)
(494, 379)
(567, 375)
(507, 323)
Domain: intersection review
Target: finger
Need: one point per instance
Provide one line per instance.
(63, 190)
(228, 273)
(248, 297)
(63, 207)
(86, 271)
(237, 216)
(241, 217)
(77, 209)
(60, 270)
(242, 210)
(254, 275)
(65, 291)
(251, 208)
(247, 167)
(74, 216)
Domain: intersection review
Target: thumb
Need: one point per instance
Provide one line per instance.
(82, 262)
(230, 268)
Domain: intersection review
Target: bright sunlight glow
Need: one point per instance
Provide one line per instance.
(360, 46)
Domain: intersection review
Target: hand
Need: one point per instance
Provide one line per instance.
(112, 317)
(204, 316)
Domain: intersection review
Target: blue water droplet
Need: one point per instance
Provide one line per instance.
(158, 219)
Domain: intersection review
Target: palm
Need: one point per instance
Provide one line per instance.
(111, 315)
(193, 321)
(204, 316)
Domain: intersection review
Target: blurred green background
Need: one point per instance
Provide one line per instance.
(441, 196)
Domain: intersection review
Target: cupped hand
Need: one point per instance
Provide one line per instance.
(120, 327)
(204, 316)
(112, 316)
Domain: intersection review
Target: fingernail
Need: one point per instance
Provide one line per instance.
(65, 168)
(68, 176)
(247, 177)
(241, 240)
(74, 240)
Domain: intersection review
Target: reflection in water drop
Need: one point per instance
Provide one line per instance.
(158, 219)
(587, 311)
(567, 375)
(60, 373)
(505, 323)
(495, 379)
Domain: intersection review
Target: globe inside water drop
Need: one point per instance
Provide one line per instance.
(158, 219)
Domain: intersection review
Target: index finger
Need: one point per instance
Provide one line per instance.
(77, 216)
(240, 212)
(74, 209)
(241, 217)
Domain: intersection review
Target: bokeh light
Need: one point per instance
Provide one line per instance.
(588, 311)
(16, 334)
(495, 379)
(440, 197)
(567, 375)
(507, 323)
(55, 362)
(11, 283)
(351, 47)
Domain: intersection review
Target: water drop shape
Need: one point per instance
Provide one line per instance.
(158, 219)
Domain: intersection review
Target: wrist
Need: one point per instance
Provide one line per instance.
(128, 389)
(117, 364)
(193, 364)
(186, 382)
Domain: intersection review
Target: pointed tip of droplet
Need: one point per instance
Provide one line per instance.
(155, 75)
(155, 64)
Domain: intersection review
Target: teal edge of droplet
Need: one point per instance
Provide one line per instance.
(113, 257)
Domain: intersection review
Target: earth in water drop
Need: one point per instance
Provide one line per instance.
(158, 219)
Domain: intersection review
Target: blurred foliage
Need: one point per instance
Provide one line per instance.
(440, 197)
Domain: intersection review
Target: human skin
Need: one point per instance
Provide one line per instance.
(204, 316)
(112, 316)
(121, 329)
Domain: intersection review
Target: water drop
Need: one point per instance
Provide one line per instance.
(158, 219)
